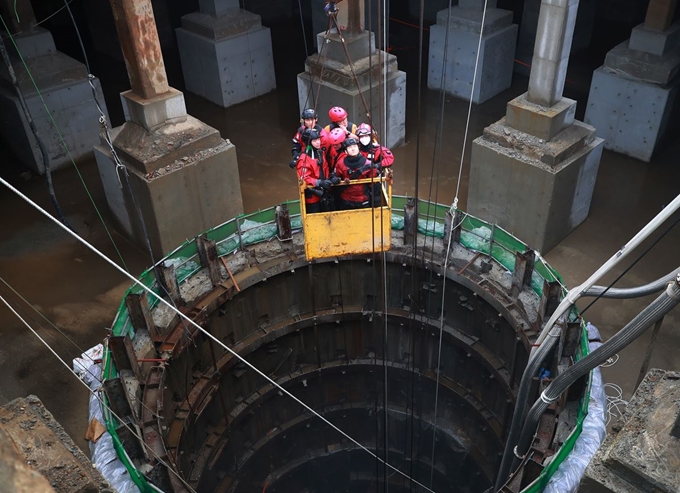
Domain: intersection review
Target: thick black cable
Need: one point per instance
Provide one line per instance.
(639, 257)
(36, 134)
(635, 328)
(533, 366)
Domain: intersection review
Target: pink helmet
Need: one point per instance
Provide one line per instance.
(337, 114)
(337, 136)
(363, 129)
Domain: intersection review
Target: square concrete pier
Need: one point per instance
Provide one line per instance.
(534, 171)
(494, 73)
(226, 54)
(66, 90)
(184, 177)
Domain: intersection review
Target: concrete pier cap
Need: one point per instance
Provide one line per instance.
(226, 53)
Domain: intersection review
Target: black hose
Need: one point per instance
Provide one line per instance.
(530, 371)
(31, 124)
(636, 327)
(636, 292)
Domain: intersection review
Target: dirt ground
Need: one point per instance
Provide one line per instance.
(80, 294)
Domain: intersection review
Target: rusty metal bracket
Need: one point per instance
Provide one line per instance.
(207, 252)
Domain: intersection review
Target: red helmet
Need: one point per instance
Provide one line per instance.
(337, 114)
(363, 129)
(337, 136)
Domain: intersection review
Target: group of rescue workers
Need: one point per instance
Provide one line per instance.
(334, 155)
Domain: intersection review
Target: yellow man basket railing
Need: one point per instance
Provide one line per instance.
(355, 231)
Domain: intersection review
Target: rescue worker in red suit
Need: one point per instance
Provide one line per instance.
(371, 150)
(338, 117)
(309, 119)
(312, 169)
(334, 147)
(352, 165)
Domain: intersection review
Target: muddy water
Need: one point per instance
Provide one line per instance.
(79, 293)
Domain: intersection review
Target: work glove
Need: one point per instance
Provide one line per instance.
(325, 184)
(293, 163)
(335, 180)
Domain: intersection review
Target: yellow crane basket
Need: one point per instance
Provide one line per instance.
(355, 231)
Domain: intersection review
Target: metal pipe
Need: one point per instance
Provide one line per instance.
(636, 292)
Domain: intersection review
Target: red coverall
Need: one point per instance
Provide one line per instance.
(378, 154)
(355, 168)
(312, 167)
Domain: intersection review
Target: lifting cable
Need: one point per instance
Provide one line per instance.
(413, 304)
(41, 145)
(454, 207)
(381, 17)
(304, 38)
(202, 330)
(63, 142)
(95, 393)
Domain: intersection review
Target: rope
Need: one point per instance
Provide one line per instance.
(63, 142)
(100, 399)
(121, 170)
(412, 309)
(448, 246)
(304, 39)
(354, 75)
(201, 329)
(81, 352)
(472, 93)
(36, 134)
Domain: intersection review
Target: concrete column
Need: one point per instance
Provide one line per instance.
(583, 31)
(339, 87)
(632, 95)
(64, 85)
(533, 172)
(551, 52)
(226, 53)
(183, 175)
(464, 25)
(141, 48)
(660, 14)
